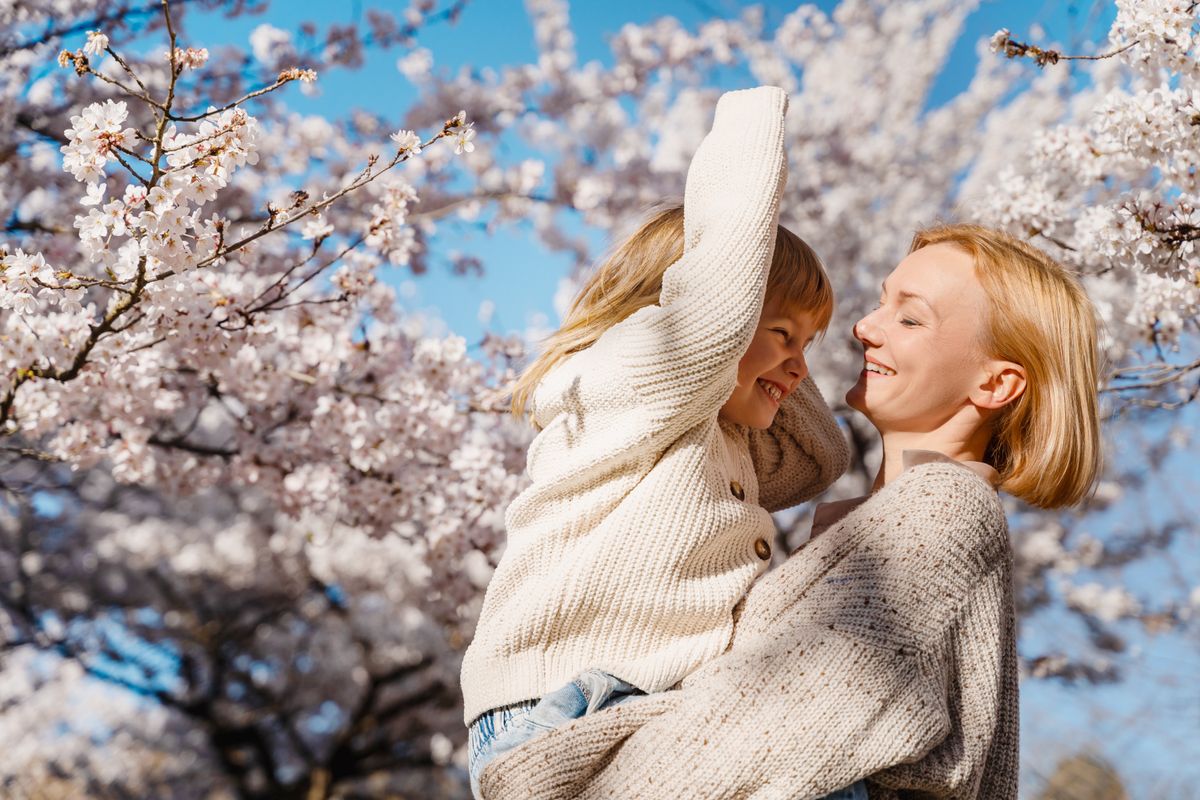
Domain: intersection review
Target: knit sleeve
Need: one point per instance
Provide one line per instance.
(681, 354)
(800, 714)
(979, 758)
(802, 453)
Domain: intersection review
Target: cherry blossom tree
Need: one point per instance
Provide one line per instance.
(250, 506)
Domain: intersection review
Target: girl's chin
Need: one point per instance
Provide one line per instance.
(758, 422)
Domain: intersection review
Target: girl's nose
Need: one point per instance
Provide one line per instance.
(798, 366)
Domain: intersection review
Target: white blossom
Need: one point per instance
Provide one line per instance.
(97, 42)
(316, 227)
(407, 141)
(462, 141)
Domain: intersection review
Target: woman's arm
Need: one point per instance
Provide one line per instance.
(801, 454)
(979, 758)
(681, 355)
(801, 715)
(840, 669)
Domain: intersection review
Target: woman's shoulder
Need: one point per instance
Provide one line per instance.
(930, 483)
(948, 504)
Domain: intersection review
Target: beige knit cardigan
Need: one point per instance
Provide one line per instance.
(883, 650)
(646, 519)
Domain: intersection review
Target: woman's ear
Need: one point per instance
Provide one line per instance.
(1003, 382)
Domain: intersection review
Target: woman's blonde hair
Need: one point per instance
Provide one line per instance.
(630, 278)
(1045, 444)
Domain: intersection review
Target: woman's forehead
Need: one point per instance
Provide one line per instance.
(935, 274)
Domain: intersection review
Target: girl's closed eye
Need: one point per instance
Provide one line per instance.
(908, 322)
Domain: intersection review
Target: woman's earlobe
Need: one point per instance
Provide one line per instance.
(1004, 383)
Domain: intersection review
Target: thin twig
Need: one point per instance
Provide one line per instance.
(145, 98)
(127, 68)
(1015, 49)
(27, 452)
(1150, 376)
(121, 14)
(287, 292)
(234, 104)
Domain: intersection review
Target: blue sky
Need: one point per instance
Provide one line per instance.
(1148, 725)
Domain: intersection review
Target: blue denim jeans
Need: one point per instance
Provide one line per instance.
(497, 731)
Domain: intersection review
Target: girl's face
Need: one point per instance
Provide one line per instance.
(923, 363)
(772, 367)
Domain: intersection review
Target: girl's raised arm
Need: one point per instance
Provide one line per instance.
(681, 355)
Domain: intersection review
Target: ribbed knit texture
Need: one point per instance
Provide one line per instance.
(630, 549)
(885, 651)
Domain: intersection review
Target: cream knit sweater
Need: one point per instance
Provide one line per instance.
(647, 520)
(884, 650)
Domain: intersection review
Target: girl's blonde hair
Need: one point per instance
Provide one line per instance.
(631, 276)
(1045, 444)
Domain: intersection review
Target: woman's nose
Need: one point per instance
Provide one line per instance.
(865, 331)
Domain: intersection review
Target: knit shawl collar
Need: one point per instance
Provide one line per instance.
(828, 514)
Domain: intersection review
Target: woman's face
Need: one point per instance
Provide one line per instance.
(923, 364)
(772, 367)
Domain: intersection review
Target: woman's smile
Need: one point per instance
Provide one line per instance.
(873, 367)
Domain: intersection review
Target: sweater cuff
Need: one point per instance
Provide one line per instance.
(746, 103)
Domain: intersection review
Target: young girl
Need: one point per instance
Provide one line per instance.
(674, 412)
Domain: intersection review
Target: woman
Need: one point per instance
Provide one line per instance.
(885, 649)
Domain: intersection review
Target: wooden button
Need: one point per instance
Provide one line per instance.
(762, 549)
(737, 490)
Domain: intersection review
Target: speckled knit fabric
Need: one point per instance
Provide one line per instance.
(647, 519)
(884, 650)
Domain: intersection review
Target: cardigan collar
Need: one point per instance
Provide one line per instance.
(828, 514)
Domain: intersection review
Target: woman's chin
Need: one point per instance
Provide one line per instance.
(856, 397)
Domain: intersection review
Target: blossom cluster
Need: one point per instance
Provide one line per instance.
(1112, 189)
(1164, 32)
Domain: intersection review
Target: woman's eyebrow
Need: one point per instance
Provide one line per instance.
(919, 299)
(907, 295)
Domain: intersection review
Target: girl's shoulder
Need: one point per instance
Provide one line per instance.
(586, 383)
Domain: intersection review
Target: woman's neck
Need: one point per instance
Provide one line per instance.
(896, 442)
